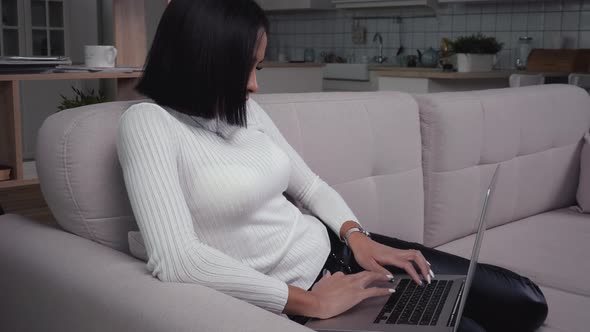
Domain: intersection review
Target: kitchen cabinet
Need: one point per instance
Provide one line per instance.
(462, 1)
(382, 3)
(332, 85)
(459, 1)
(429, 80)
(290, 77)
(273, 5)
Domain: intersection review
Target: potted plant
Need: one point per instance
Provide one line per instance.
(475, 52)
(81, 98)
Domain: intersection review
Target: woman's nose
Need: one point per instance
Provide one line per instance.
(252, 84)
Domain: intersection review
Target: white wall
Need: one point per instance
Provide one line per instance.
(39, 99)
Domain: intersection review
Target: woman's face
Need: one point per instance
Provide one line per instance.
(252, 84)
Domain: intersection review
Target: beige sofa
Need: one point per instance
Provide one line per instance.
(413, 167)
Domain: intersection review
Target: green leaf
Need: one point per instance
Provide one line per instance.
(476, 44)
(81, 98)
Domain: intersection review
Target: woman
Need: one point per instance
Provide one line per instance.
(206, 170)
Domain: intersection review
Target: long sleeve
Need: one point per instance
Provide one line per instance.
(148, 152)
(304, 185)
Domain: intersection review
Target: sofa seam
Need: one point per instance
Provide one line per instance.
(66, 140)
(373, 140)
(550, 150)
(299, 131)
(426, 162)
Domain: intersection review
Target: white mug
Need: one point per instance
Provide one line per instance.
(100, 56)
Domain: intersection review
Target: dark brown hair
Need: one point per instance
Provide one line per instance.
(202, 55)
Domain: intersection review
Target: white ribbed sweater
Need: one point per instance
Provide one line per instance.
(208, 199)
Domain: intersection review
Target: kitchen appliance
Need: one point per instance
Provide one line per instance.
(359, 33)
(429, 58)
(283, 5)
(383, 3)
(309, 55)
(524, 49)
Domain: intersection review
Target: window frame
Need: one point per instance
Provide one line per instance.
(25, 27)
(20, 28)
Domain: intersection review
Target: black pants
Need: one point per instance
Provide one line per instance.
(499, 299)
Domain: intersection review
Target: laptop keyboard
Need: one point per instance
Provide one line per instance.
(415, 305)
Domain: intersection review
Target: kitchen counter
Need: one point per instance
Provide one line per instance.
(428, 80)
(276, 64)
(434, 73)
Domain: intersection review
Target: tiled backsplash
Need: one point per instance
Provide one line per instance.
(551, 24)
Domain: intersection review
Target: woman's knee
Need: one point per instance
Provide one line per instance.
(469, 325)
(501, 300)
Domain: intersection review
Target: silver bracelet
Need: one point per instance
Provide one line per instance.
(353, 230)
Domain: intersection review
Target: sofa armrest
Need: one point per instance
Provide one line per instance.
(51, 280)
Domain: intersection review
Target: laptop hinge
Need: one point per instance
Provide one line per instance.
(456, 306)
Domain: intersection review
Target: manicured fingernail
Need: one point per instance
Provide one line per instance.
(428, 279)
(421, 283)
(389, 276)
(431, 274)
(391, 290)
(428, 263)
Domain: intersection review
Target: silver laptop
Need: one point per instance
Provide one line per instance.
(435, 307)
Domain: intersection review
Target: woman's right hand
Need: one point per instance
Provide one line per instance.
(339, 292)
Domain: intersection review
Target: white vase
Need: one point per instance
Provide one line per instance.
(467, 62)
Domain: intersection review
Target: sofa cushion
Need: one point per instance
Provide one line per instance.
(549, 248)
(567, 312)
(80, 175)
(136, 246)
(366, 146)
(584, 185)
(534, 131)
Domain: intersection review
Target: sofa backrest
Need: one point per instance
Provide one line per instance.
(366, 146)
(80, 175)
(534, 132)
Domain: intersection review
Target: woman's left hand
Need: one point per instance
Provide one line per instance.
(372, 256)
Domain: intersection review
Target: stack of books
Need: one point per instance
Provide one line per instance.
(5, 173)
(84, 69)
(34, 64)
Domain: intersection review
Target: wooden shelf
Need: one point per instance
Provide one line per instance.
(22, 195)
(18, 183)
(67, 76)
(129, 36)
(10, 114)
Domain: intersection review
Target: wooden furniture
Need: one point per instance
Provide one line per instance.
(559, 60)
(26, 200)
(23, 196)
(130, 32)
(130, 40)
(10, 115)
